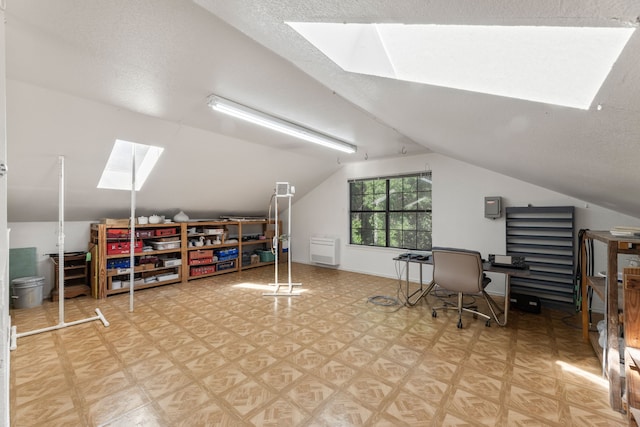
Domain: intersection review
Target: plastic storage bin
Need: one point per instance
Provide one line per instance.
(267, 256)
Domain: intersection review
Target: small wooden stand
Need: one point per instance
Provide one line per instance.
(75, 275)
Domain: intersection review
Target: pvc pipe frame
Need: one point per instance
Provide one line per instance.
(62, 323)
(277, 285)
(132, 220)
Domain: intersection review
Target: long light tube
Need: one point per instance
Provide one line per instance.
(243, 112)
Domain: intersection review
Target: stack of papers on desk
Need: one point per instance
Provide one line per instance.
(625, 231)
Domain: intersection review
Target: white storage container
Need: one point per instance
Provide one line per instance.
(160, 246)
(171, 262)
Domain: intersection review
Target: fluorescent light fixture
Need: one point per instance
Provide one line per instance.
(555, 65)
(274, 123)
(117, 173)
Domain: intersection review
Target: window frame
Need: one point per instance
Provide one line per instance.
(362, 209)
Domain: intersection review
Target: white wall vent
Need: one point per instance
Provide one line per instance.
(324, 250)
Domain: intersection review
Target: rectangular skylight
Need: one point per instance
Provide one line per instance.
(118, 171)
(556, 65)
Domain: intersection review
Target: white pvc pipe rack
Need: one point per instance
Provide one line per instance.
(62, 324)
(275, 246)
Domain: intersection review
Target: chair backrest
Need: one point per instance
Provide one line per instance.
(457, 270)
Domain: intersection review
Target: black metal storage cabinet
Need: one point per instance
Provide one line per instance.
(545, 236)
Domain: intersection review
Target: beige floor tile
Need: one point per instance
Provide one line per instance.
(211, 415)
(281, 375)
(115, 405)
(474, 406)
(40, 388)
(212, 353)
(310, 392)
(97, 388)
(410, 409)
(183, 402)
(165, 382)
(279, 413)
(343, 409)
(247, 396)
(144, 416)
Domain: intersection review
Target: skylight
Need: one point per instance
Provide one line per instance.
(117, 173)
(556, 65)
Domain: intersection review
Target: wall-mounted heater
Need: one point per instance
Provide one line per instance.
(324, 250)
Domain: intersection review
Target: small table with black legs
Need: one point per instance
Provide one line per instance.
(424, 289)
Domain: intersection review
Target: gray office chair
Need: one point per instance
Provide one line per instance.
(460, 271)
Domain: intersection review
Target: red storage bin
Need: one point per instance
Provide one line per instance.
(200, 261)
(118, 233)
(117, 248)
(166, 231)
(204, 253)
(124, 233)
(199, 271)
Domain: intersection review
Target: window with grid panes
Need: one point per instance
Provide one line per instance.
(392, 211)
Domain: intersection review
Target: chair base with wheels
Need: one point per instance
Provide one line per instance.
(473, 309)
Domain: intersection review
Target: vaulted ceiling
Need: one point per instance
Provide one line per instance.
(82, 73)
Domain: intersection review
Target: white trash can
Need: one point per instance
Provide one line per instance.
(26, 292)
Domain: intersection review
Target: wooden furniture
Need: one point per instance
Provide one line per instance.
(210, 248)
(239, 247)
(608, 290)
(175, 252)
(256, 238)
(157, 257)
(76, 279)
(545, 237)
(631, 284)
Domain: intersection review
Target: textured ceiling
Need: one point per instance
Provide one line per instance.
(151, 64)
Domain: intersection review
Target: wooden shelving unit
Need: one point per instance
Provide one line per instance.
(256, 237)
(608, 290)
(159, 244)
(76, 278)
(631, 284)
(202, 249)
(208, 249)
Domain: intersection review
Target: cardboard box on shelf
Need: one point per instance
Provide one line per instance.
(166, 231)
(120, 222)
(201, 253)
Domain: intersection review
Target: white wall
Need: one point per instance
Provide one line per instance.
(458, 212)
(44, 237)
(5, 321)
(458, 217)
